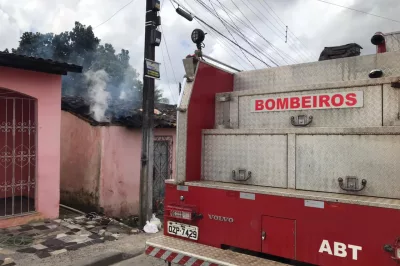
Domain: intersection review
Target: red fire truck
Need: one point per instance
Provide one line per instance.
(296, 164)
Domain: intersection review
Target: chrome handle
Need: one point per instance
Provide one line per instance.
(241, 175)
(301, 121)
(351, 184)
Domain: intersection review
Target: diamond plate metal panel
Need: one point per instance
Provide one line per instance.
(264, 155)
(330, 71)
(322, 159)
(291, 161)
(219, 114)
(392, 41)
(181, 133)
(369, 115)
(391, 106)
(234, 112)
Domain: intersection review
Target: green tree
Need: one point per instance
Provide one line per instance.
(81, 46)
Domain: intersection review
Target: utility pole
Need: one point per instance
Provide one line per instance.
(150, 72)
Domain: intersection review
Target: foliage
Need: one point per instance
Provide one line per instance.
(80, 46)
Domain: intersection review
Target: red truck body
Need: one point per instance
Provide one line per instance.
(292, 204)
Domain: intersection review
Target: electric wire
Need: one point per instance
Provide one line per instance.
(231, 34)
(247, 39)
(281, 36)
(295, 49)
(284, 25)
(256, 47)
(218, 39)
(360, 11)
(166, 73)
(238, 32)
(218, 32)
(227, 38)
(222, 42)
(254, 29)
(115, 14)
(169, 57)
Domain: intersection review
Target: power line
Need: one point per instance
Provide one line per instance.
(284, 25)
(230, 33)
(170, 61)
(218, 32)
(212, 28)
(235, 29)
(238, 31)
(360, 11)
(245, 38)
(259, 34)
(115, 14)
(166, 72)
(278, 34)
(220, 41)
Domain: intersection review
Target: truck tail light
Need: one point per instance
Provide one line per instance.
(397, 253)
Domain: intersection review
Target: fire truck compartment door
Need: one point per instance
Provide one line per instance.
(262, 159)
(322, 159)
(367, 112)
(278, 237)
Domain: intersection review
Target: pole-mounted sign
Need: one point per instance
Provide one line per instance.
(152, 69)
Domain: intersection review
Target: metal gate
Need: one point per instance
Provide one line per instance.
(17, 153)
(162, 170)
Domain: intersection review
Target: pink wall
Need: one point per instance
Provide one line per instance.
(80, 162)
(46, 88)
(120, 173)
(117, 172)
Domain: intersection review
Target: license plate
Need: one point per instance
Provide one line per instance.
(183, 230)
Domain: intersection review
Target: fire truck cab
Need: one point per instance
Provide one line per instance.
(296, 164)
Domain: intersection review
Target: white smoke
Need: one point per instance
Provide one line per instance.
(122, 95)
(98, 95)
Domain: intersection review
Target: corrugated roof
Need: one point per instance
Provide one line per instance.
(121, 113)
(37, 64)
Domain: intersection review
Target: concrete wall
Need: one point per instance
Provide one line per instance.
(80, 162)
(100, 166)
(46, 89)
(120, 173)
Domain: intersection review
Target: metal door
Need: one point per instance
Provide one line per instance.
(162, 170)
(340, 163)
(278, 237)
(17, 153)
(261, 158)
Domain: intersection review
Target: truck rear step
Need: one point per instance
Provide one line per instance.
(188, 253)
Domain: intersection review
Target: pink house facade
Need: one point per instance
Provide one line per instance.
(30, 119)
(100, 165)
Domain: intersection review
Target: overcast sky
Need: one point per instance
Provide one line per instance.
(314, 23)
